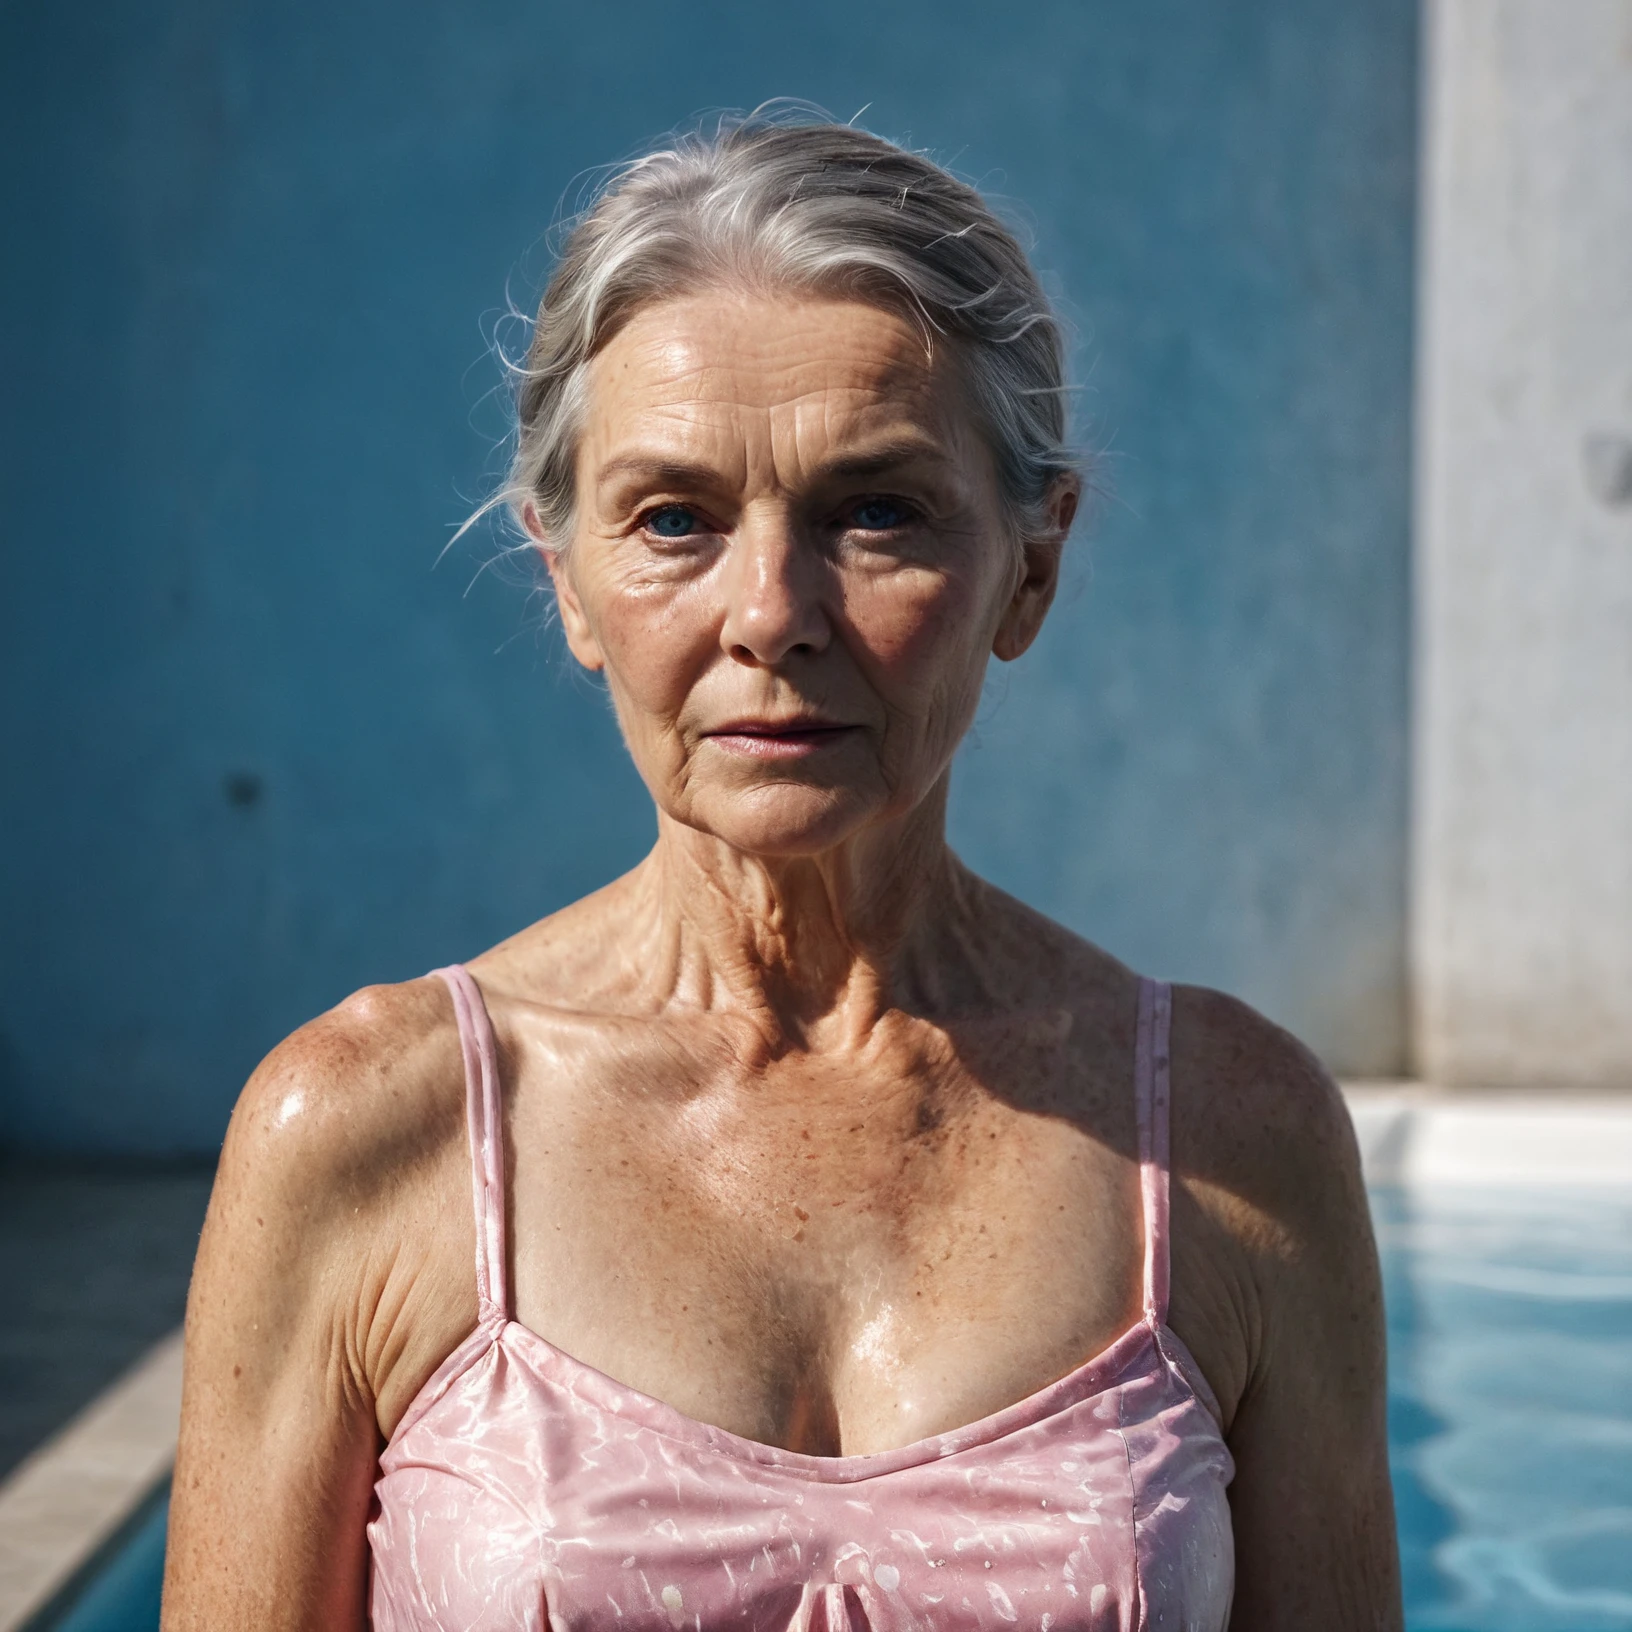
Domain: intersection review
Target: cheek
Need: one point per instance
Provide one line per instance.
(922, 632)
(656, 642)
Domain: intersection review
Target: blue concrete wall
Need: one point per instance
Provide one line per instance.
(259, 750)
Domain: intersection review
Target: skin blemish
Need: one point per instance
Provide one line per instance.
(928, 1117)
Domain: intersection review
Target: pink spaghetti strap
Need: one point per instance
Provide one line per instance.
(485, 1125)
(1153, 1088)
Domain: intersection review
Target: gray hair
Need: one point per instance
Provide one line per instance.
(815, 207)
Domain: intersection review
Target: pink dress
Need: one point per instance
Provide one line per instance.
(525, 1490)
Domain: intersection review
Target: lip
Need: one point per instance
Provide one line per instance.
(796, 738)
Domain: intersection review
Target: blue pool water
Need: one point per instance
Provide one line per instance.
(123, 1595)
(1510, 1419)
(1510, 1355)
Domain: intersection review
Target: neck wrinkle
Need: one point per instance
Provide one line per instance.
(813, 951)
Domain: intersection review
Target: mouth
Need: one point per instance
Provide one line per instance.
(797, 738)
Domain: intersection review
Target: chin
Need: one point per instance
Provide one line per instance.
(784, 823)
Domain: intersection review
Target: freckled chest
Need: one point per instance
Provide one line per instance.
(829, 1250)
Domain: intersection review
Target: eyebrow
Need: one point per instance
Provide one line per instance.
(873, 461)
(667, 472)
(888, 456)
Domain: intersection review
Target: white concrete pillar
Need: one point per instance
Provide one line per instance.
(1522, 889)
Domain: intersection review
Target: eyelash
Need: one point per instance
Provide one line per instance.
(910, 513)
(643, 522)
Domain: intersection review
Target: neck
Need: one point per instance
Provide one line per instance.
(814, 949)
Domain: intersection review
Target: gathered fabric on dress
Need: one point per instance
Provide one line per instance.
(526, 1490)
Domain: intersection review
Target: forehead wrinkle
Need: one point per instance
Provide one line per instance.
(692, 340)
(762, 412)
(818, 436)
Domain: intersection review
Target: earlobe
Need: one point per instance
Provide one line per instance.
(581, 641)
(1033, 595)
(1039, 575)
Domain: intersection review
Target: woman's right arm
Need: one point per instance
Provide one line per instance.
(323, 1294)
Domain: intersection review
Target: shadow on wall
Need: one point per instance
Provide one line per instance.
(269, 754)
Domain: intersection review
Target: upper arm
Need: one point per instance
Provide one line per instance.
(307, 1263)
(1311, 1502)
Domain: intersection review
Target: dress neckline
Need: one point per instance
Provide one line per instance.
(647, 1411)
(1143, 1339)
(495, 1322)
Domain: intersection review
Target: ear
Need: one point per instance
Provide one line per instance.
(1038, 575)
(581, 641)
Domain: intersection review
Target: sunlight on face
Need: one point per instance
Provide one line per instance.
(789, 560)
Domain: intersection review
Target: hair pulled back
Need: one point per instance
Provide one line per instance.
(763, 203)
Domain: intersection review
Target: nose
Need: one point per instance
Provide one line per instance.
(774, 587)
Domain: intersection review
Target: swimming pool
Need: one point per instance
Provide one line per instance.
(1510, 1354)
(1510, 1418)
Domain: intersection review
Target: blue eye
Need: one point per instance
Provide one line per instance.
(672, 521)
(880, 515)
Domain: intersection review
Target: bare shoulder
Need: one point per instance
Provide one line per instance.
(582, 1003)
(353, 1098)
(339, 1233)
(1277, 1292)
(333, 1276)
(1256, 1117)
(1255, 1111)
(575, 959)
(1272, 1241)
(1045, 960)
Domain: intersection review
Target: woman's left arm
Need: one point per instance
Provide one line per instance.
(1311, 1503)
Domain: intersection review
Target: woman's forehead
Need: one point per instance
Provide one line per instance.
(708, 361)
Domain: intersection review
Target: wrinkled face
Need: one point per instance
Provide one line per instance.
(790, 561)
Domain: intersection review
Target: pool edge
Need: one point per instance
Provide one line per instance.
(1419, 1136)
(67, 1497)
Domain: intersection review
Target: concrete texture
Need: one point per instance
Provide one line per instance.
(1432, 1139)
(94, 1266)
(261, 752)
(1523, 850)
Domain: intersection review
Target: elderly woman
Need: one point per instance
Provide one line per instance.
(852, 1246)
